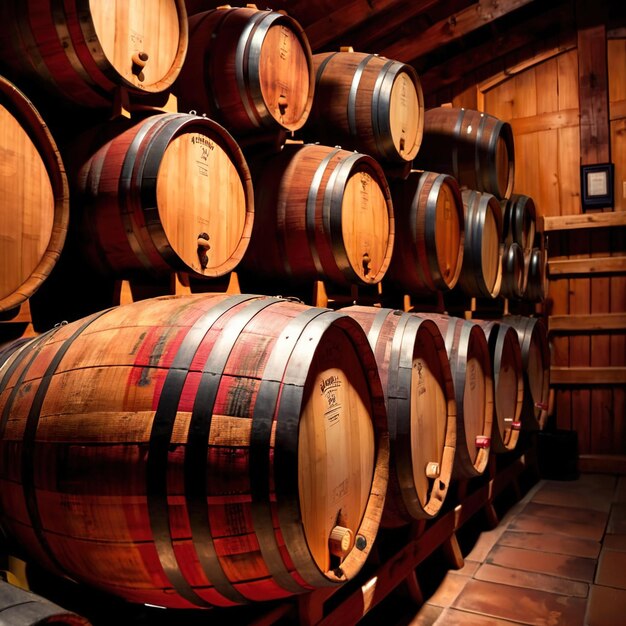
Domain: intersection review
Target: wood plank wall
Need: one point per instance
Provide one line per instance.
(552, 101)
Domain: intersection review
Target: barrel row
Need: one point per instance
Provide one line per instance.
(210, 451)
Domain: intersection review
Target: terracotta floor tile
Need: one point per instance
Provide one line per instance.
(532, 580)
(617, 519)
(533, 524)
(527, 606)
(611, 569)
(607, 607)
(448, 590)
(580, 497)
(484, 543)
(620, 490)
(614, 542)
(546, 542)
(469, 569)
(567, 513)
(453, 617)
(426, 616)
(564, 566)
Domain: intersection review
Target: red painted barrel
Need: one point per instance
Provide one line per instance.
(172, 192)
(85, 51)
(34, 198)
(430, 233)
(196, 451)
(508, 384)
(421, 408)
(470, 362)
(250, 70)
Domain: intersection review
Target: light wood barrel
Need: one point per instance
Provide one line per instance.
(513, 272)
(508, 384)
(34, 198)
(322, 213)
(367, 103)
(250, 70)
(519, 221)
(171, 193)
(481, 273)
(533, 339)
(196, 451)
(476, 148)
(470, 363)
(430, 233)
(85, 50)
(421, 408)
(23, 608)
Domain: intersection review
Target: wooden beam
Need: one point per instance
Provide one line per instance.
(586, 323)
(617, 110)
(567, 118)
(585, 220)
(454, 27)
(594, 265)
(588, 375)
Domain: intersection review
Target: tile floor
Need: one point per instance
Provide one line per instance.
(558, 557)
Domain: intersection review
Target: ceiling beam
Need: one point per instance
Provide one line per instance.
(451, 29)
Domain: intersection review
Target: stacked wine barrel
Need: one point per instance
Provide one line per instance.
(215, 450)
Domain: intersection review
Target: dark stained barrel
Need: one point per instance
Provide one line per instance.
(474, 147)
(421, 408)
(196, 451)
(513, 272)
(430, 233)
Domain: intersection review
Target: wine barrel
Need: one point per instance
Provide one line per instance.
(84, 52)
(23, 608)
(476, 148)
(428, 249)
(421, 409)
(470, 363)
(508, 383)
(196, 451)
(322, 214)
(34, 198)
(519, 221)
(513, 272)
(171, 193)
(367, 103)
(533, 339)
(481, 272)
(536, 276)
(250, 70)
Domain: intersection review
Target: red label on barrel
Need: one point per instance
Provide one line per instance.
(482, 441)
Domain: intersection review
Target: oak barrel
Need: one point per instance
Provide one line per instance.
(430, 233)
(322, 213)
(513, 272)
(536, 276)
(194, 451)
(519, 221)
(86, 50)
(34, 198)
(421, 409)
(23, 608)
(170, 193)
(508, 384)
(367, 103)
(250, 70)
(470, 363)
(481, 272)
(533, 339)
(474, 147)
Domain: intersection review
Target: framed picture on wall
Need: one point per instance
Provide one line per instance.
(596, 183)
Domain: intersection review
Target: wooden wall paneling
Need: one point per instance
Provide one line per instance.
(618, 344)
(579, 353)
(569, 171)
(546, 75)
(525, 99)
(499, 101)
(618, 157)
(567, 67)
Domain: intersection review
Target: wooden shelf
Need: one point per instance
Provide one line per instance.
(593, 265)
(586, 323)
(588, 375)
(586, 220)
